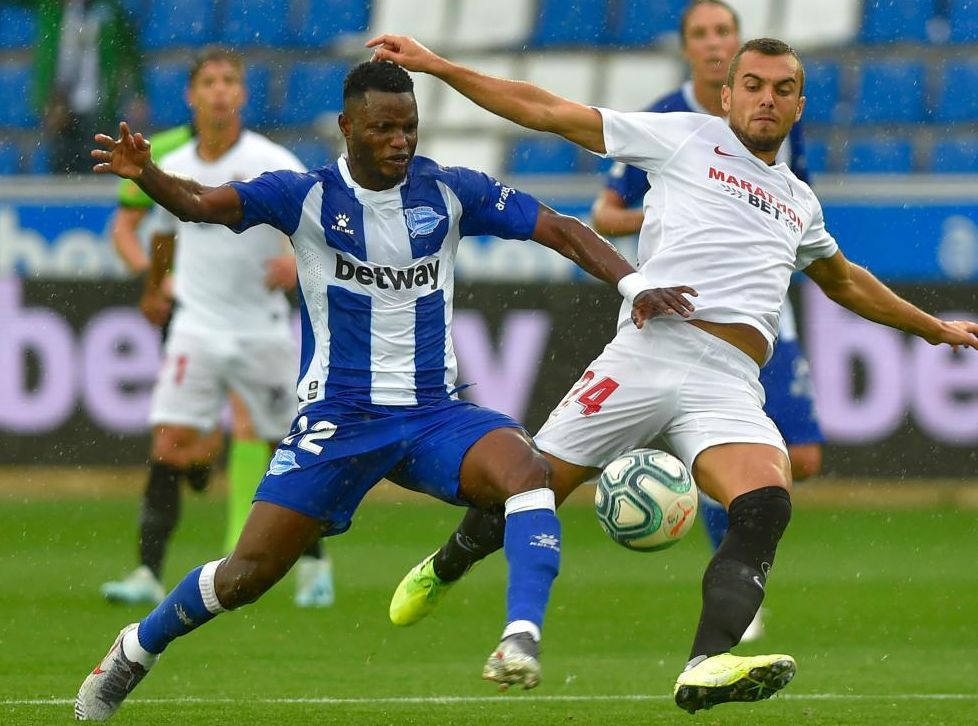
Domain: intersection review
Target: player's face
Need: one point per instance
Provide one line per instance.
(765, 100)
(709, 42)
(381, 132)
(216, 94)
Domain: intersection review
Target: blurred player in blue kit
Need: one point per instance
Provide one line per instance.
(709, 33)
(375, 235)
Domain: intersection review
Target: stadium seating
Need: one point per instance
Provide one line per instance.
(890, 91)
(756, 17)
(311, 152)
(254, 23)
(571, 75)
(179, 23)
(633, 81)
(481, 25)
(822, 83)
(482, 152)
(959, 92)
(458, 112)
(166, 86)
(563, 24)
(317, 23)
(258, 79)
(312, 88)
(643, 22)
(9, 158)
(547, 155)
(889, 21)
(15, 97)
(955, 156)
(18, 27)
(825, 23)
(426, 20)
(817, 156)
(879, 156)
(963, 20)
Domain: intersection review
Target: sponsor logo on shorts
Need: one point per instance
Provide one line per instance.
(283, 461)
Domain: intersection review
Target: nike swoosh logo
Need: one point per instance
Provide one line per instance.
(757, 581)
(720, 152)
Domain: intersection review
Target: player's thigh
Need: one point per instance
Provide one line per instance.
(624, 399)
(502, 463)
(725, 471)
(190, 389)
(263, 377)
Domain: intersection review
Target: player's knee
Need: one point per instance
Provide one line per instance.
(763, 513)
(173, 448)
(806, 462)
(241, 581)
(533, 472)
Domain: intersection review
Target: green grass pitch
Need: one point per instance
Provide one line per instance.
(880, 610)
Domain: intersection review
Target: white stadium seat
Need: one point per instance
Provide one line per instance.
(481, 25)
(571, 75)
(807, 24)
(756, 20)
(426, 20)
(632, 80)
(458, 112)
(428, 91)
(481, 152)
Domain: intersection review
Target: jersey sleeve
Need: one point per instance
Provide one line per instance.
(490, 208)
(816, 242)
(274, 198)
(628, 182)
(647, 140)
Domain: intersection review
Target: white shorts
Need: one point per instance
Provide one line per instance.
(199, 369)
(670, 379)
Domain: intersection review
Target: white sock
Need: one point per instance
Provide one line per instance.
(132, 650)
(522, 626)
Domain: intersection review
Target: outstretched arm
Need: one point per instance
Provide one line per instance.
(520, 102)
(595, 255)
(128, 157)
(857, 289)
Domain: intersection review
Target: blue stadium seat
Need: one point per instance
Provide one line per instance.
(39, 159)
(251, 23)
(955, 156)
(890, 91)
(9, 158)
(178, 23)
(571, 23)
(312, 88)
(888, 21)
(15, 97)
(312, 153)
(18, 27)
(257, 113)
(817, 156)
(963, 18)
(821, 91)
(959, 92)
(880, 156)
(317, 23)
(543, 156)
(642, 22)
(166, 86)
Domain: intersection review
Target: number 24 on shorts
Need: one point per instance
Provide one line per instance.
(591, 396)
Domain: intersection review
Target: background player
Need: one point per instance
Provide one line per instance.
(697, 384)
(376, 235)
(709, 32)
(230, 338)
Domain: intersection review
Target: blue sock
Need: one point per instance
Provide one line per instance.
(188, 606)
(532, 546)
(714, 518)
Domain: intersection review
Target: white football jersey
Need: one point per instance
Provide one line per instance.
(717, 218)
(219, 276)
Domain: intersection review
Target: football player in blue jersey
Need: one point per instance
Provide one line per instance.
(709, 33)
(375, 235)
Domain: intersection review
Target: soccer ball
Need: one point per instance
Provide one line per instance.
(646, 500)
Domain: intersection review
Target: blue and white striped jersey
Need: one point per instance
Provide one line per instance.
(376, 272)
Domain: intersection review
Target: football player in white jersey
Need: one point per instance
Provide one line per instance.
(375, 234)
(725, 218)
(230, 333)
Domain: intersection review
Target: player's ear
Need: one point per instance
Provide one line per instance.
(343, 121)
(725, 98)
(801, 107)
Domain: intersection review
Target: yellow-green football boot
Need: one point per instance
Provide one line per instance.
(726, 678)
(418, 593)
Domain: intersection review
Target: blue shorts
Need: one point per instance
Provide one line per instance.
(336, 452)
(789, 397)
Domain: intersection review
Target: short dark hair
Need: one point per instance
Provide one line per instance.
(216, 53)
(684, 18)
(376, 76)
(766, 46)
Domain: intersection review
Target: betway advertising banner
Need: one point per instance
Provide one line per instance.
(78, 361)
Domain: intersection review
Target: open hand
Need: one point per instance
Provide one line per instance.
(126, 156)
(956, 333)
(405, 51)
(662, 301)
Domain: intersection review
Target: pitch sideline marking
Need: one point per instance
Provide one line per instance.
(450, 700)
